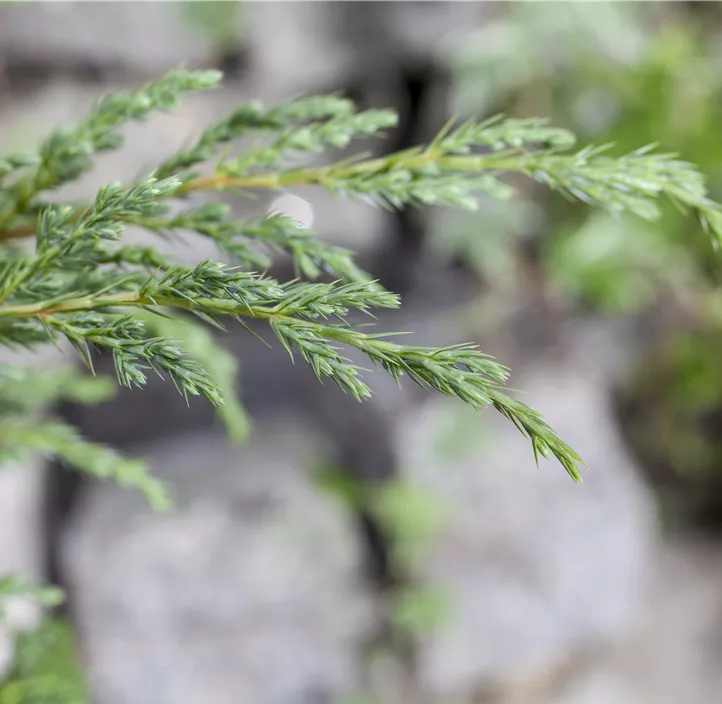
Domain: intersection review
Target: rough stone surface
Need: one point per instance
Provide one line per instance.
(536, 568)
(594, 685)
(676, 655)
(250, 591)
(296, 50)
(112, 35)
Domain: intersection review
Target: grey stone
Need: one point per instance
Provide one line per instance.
(597, 684)
(144, 41)
(296, 49)
(675, 657)
(250, 590)
(408, 32)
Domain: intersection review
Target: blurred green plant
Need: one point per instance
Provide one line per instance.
(409, 518)
(221, 365)
(685, 385)
(45, 668)
(220, 21)
(614, 73)
(15, 586)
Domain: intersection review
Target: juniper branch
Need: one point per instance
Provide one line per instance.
(461, 372)
(275, 233)
(445, 173)
(67, 153)
(254, 116)
(83, 284)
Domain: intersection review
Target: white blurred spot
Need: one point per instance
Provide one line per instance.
(294, 207)
(22, 613)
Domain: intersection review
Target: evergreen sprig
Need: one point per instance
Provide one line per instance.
(67, 153)
(82, 284)
(251, 243)
(474, 158)
(254, 117)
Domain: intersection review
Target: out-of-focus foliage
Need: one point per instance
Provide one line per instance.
(15, 586)
(45, 669)
(219, 21)
(678, 394)
(410, 518)
(611, 73)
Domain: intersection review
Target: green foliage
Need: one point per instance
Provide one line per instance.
(25, 394)
(23, 389)
(524, 44)
(338, 483)
(674, 403)
(67, 153)
(45, 669)
(620, 73)
(221, 365)
(419, 610)
(613, 73)
(218, 20)
(618, 265)
(251, 243)
(411, 516)
(14, 586)
(53, 438)
(81, 285)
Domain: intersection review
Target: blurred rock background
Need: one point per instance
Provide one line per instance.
(405, 550)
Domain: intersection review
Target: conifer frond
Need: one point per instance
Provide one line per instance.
(83, 284)
(250, 243)
(67, 153)
(304, 125)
